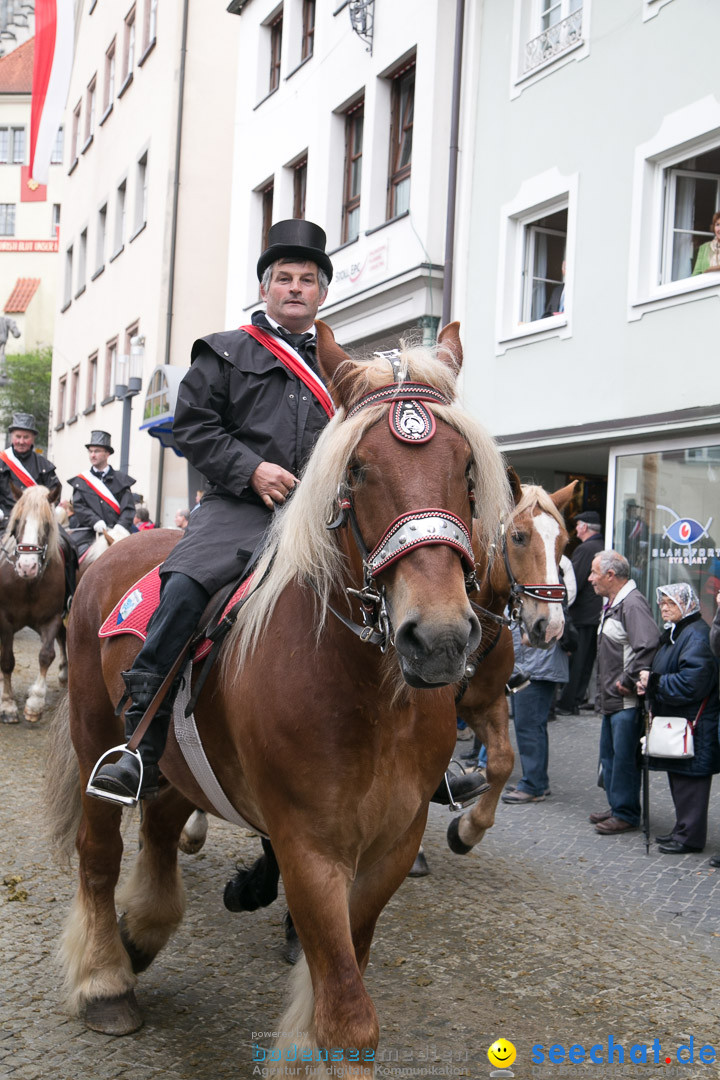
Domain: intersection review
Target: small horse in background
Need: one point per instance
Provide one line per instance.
(521, 572)
(32, 593)
(327, 736)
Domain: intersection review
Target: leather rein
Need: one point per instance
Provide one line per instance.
(409, 531)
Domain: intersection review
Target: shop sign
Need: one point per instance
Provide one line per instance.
(685, 531)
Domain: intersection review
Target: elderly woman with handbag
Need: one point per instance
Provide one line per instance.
(683, 682)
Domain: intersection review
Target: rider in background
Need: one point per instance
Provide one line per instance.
(101, 496)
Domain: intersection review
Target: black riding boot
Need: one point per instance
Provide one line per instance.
(122, 777)
(464, 787)
(182, 602)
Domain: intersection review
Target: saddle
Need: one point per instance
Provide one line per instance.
(133, 611)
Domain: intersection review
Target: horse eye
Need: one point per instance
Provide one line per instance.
(356, 473)
(519, 538)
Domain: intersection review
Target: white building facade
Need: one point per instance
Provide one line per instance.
(350, 129)
(591, 310)
(144, 239)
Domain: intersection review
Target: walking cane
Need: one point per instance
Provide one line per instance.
(646, 780)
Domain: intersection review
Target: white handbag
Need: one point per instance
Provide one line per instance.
(672, 736)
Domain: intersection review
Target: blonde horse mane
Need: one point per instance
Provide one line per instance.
(34, 503)
(299, 547)
(533, 495)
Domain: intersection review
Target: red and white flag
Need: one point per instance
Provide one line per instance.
(54, 44)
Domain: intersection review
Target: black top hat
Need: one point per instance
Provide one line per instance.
(23, 421)
(590, 517)
(295, 238)
(101, 439)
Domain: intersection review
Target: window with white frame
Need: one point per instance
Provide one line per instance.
(61, 401)
(57, 150)
(90, 100)
(109, 92)
(674, 246)
(129, 45)
(18, 145)
(691, 200)
(535, 263)
(67, 290)
(55, 221)
(120, 201)
(7, 219)
(82, 262)
(141, 193)
(150, 23)
(74, 393)
(543, 274)
(100, 234)
(75, 132)
(91, 384)
(109, 374)
(545, 33)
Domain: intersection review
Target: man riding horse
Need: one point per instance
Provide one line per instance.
(101, 496)
(22, 467)
(248, 414)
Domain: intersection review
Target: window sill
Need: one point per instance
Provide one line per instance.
(87, 144)
(390, 221)
(60, 426)
(537, 326)
(80, 291)
(549, 62)
(72, 420)
(263, 100)
(148, 49)
(90, 409)
(105, 115)
(65, 306)
(347, 244)
(117, 252)
(108, 400)
(677, 292)
(98, 272)
(137, 231)
(297, 68)
(73, 167)
(125, 85)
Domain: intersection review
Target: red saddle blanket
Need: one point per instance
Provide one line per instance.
(132, 613)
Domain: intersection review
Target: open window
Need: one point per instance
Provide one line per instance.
(691, 199)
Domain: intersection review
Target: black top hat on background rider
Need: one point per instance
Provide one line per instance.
(248, 414)
(102, 496)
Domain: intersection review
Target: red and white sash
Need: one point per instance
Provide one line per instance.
(100, 489)
(294, 362)
(16, 467)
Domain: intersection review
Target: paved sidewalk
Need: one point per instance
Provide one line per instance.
(681, 891)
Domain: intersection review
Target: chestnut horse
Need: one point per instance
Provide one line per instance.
(328, 744)
(32, 593)
(518, 573)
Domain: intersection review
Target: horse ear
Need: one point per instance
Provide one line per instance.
(16, 490)
(330, 356)
(562, 497)
(451, 350)
(54, 494)
(514, 482)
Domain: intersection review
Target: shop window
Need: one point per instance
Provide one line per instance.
(692, 198)
(666, 521)
(354, 123)
(401, 136)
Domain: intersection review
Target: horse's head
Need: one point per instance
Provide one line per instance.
(415, 467)
(535, 538)
(31, 537)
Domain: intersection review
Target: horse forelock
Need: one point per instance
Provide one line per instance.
(299, 547)
(533, 495)
(34, 504)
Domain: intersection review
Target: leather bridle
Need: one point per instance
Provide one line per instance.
(24, 549)
(408, 532)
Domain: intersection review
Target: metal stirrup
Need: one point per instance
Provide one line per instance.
(112, 796)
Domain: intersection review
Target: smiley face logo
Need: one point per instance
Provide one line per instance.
(501, 1054)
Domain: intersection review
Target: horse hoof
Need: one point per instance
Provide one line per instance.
(63, 677)
(453, 838)
(292, 950)
(420, 867)
(193, 836)
(139, 959)
(114, 1016)
(9, 718)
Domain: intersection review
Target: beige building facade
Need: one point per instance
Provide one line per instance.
(144, 238)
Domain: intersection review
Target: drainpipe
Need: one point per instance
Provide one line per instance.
(453, 166)
(173, 235)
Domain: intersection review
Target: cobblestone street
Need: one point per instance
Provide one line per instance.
(547, 933)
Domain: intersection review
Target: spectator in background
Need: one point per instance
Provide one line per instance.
(584, 612)
(683, 681)
(181, 519)
(708, 256)
(142, 519)
(627, 641)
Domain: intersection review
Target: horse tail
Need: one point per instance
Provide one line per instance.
(63, 802)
